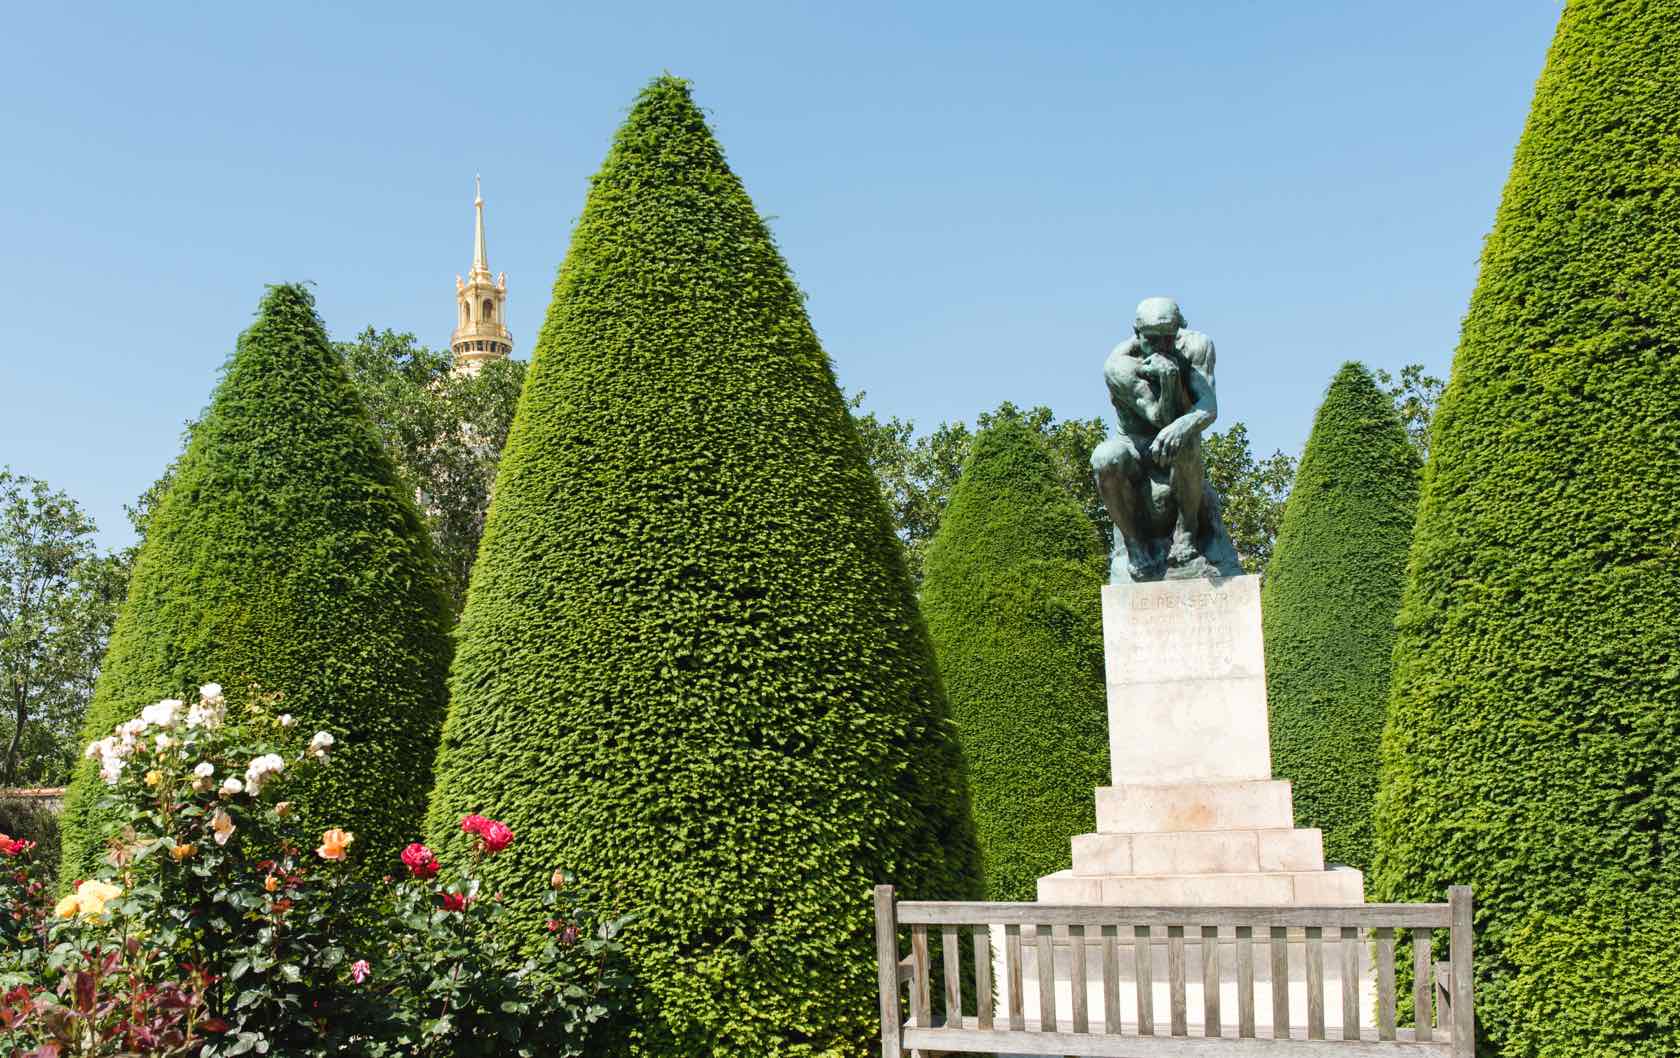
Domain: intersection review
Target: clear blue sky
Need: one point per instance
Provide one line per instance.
(974, 195)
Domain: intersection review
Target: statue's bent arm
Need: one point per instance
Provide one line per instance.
(1204, 406)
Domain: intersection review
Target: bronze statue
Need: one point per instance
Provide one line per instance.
(1151, 474)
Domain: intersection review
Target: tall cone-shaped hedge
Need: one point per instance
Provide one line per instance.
(1013, 597)
(287, 558)
(1533, 745)
(691, 667)
(1330, 596)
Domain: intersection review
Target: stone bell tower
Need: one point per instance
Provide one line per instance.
(481, 333)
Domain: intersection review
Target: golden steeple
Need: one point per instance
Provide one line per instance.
(481, 335)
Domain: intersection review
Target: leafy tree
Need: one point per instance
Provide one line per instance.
(286, 557)
(691, 665)
(1252, 492)
(1533, 746)
(1415, 395)
(58, 597)
(443, 430)
(917, 474)
(1331, 592)
(1012, 597)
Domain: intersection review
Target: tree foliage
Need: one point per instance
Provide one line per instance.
(286, 557)
(917, 474)
(1331, 592)
(58, 597)
(691, 664)
(1252, 492)
(1013, 603)
(1533, 747)
(1415, 395)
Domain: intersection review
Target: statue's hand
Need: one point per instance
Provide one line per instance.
(1165, 447)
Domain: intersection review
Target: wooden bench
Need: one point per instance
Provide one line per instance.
(1093, 938)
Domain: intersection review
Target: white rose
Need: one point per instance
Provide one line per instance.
(287, 720)
(321, 744)
(111, 770)
(204, 716)
(133, 727)
(210, 694)
(204, 770)
(231, 786)
(163, 743)
(162, 714)
(261, 770)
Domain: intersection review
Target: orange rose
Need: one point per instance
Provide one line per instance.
(335, 843)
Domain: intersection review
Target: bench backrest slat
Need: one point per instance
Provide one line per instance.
(1279, 951)
(1245, 982)
(1422, 985)
(1315, 982)
(1385, 983)
(1076, 976)
(1350, 972)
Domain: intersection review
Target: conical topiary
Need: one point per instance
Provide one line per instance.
(1013, 597)
(691, 667)
(286, 558)
(1533, 742)
(1329, 598)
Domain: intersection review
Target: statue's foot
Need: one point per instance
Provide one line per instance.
(1184, 551)
(1139, 566)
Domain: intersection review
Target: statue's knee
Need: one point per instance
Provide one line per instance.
(1114, 456)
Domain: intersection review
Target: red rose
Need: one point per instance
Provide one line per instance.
(496, 836)
(420, 861)
(454, 901)
(473, 824)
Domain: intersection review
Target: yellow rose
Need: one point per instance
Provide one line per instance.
(92, 896)
(154, 777)
(181, 852)
(68, 907)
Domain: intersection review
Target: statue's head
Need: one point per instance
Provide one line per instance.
(1158, 322)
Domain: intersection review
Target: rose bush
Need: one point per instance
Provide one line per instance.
(217, 927)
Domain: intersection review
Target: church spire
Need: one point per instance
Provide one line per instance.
(480, 264)
(480, 333)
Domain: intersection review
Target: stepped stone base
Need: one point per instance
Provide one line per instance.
(1198, 852)
(1249, 804)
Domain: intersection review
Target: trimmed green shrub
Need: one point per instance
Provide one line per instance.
(286, 558)
(1533, 741)
(1600, 980)
(1013, 598)
(1329, 600)
(691, 665)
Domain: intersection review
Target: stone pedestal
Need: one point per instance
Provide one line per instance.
(1194, 815)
